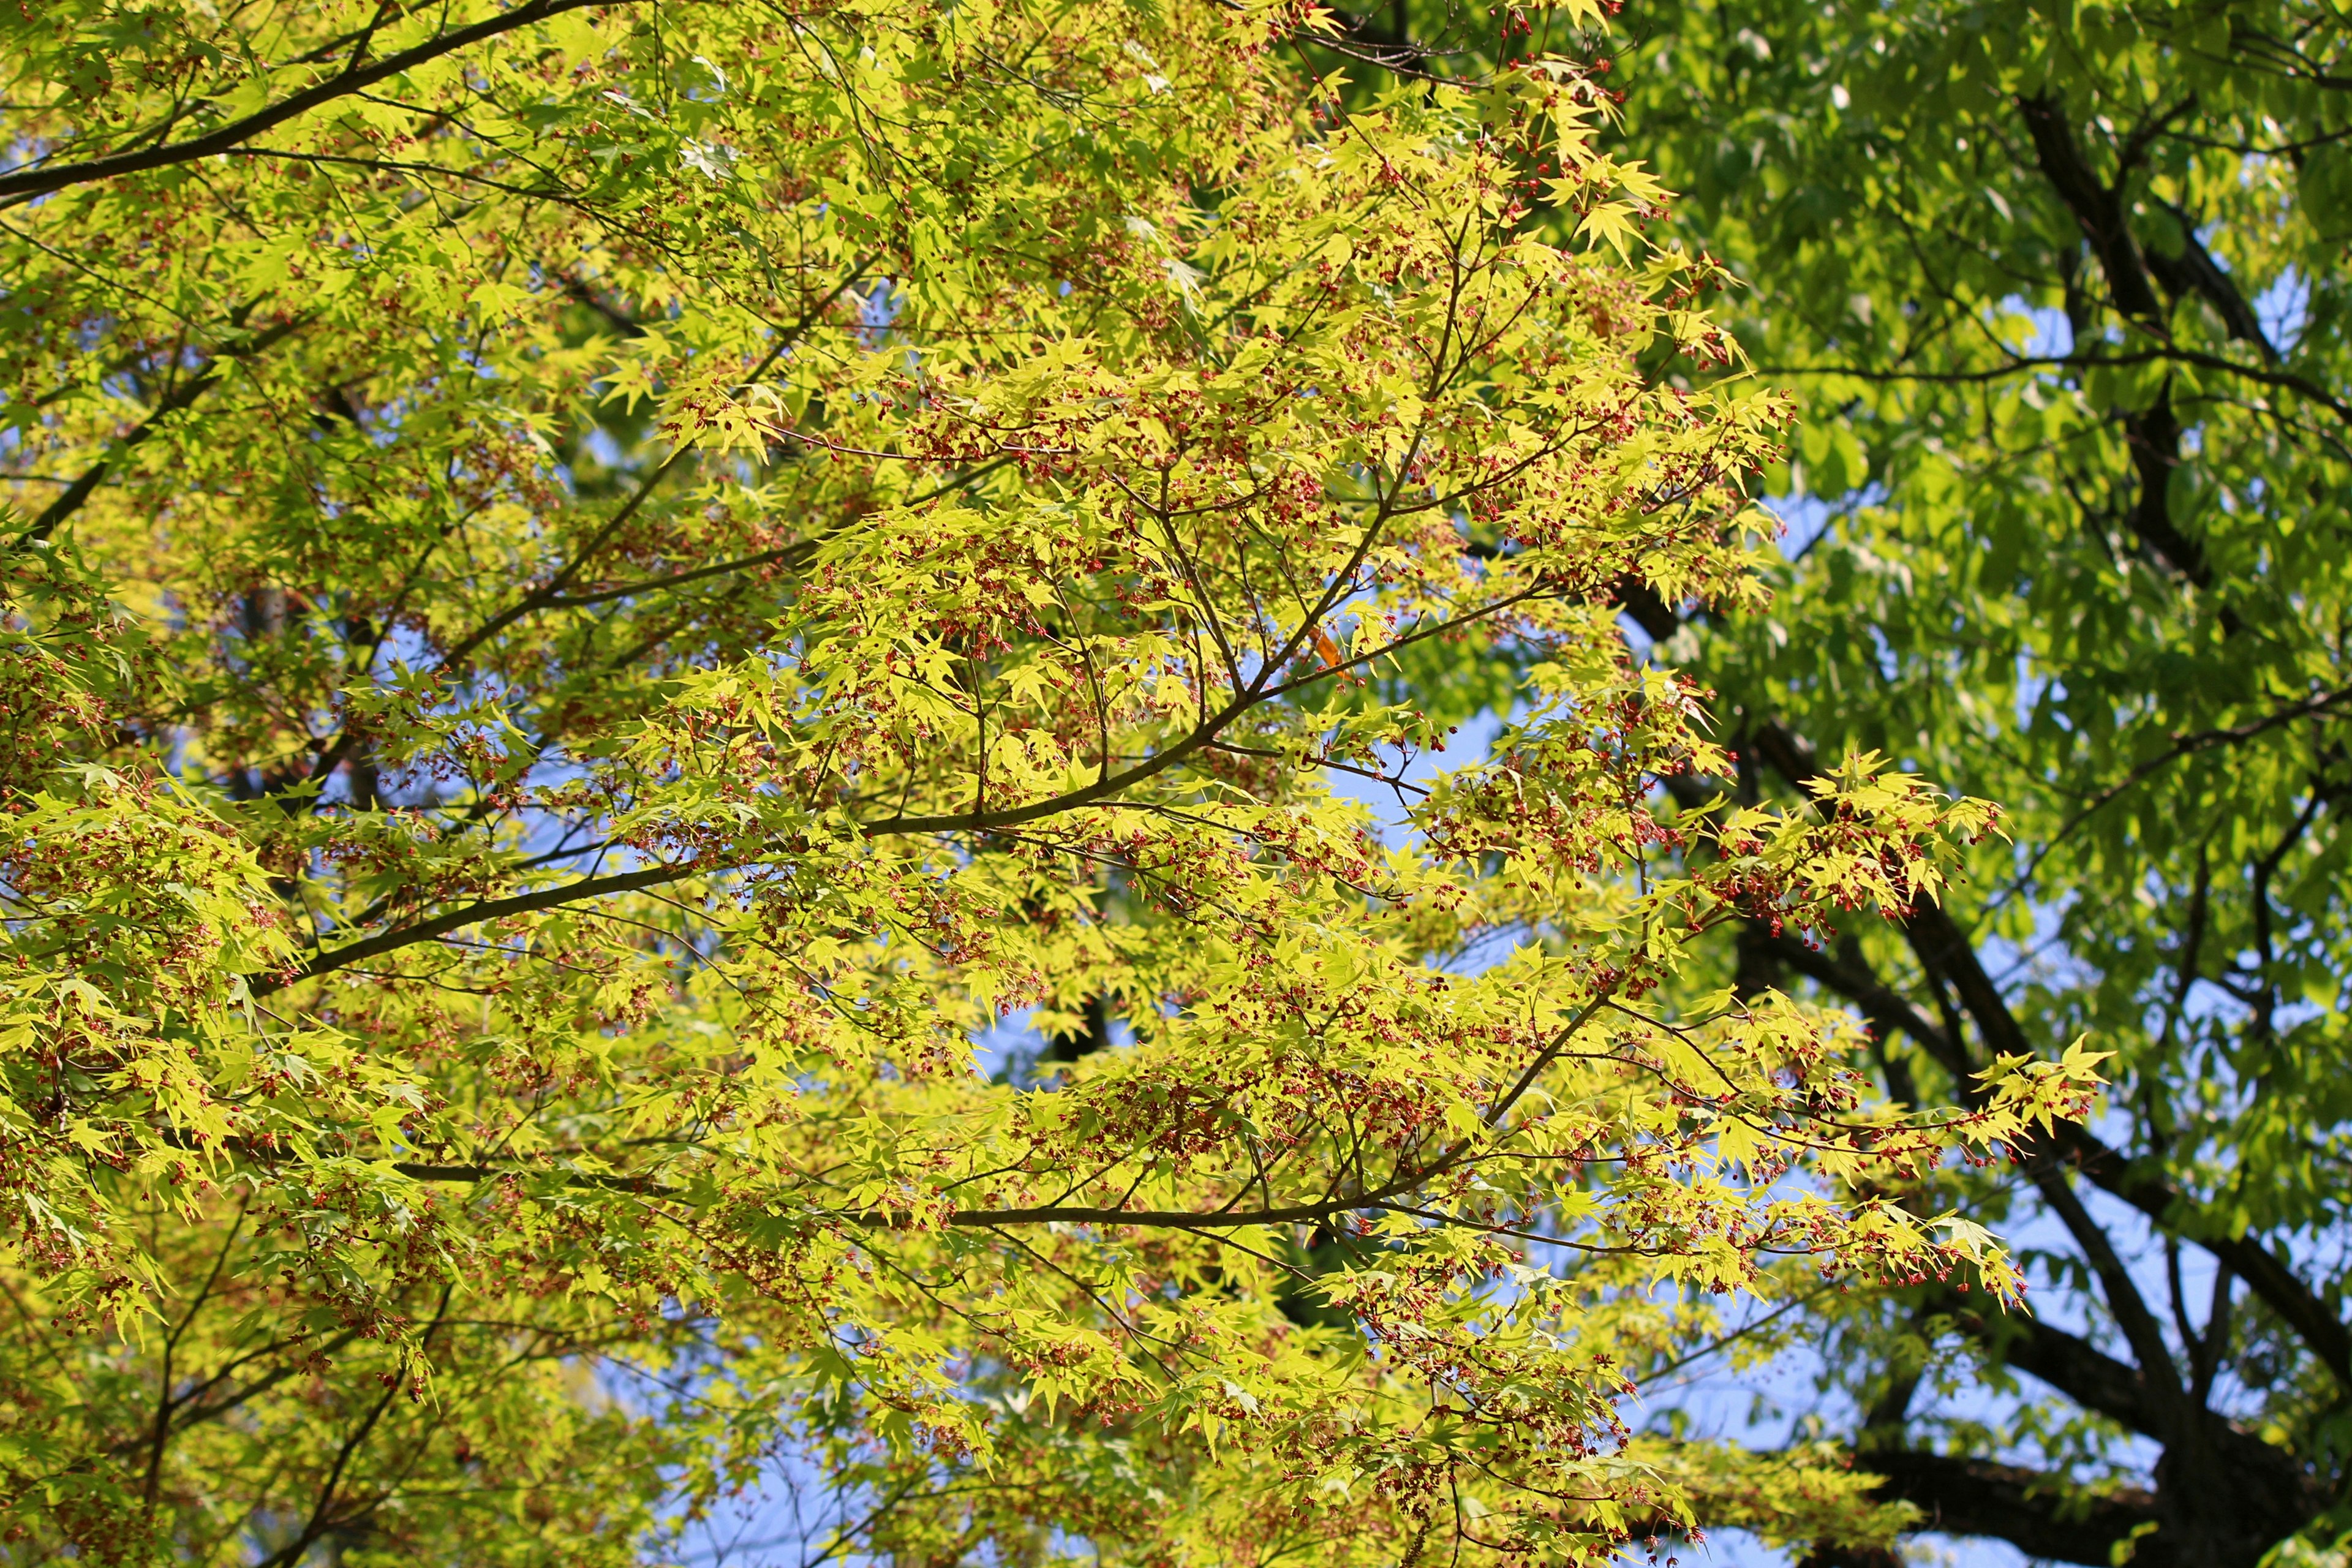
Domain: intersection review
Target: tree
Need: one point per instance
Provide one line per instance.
(598, 591)
(2063, 293)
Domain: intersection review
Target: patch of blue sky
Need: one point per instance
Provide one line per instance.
(877, 310)
(1804, 520)
(2046, 335)
(2283, 310)
(1009, 1050)
(601, 446)
(787, 1518)
(1390, 801)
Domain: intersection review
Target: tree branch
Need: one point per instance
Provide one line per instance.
(24, 185)
(2187, 746)
(184, 395)
(2043, 1515)
(2153, 433)
(1943, 949)
(2194, 271)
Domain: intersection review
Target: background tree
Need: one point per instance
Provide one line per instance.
(598, 590)
(2064, 292)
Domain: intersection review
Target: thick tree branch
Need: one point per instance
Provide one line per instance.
(2153, 433)
(70, 500)
(2041, 1515)
(489, 909)
(2067, 1362)
(24, 185)
(2194, 271)
(1887, 1011)
(2098, 208)
(2129, 1306)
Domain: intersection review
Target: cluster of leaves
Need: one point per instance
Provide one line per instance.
(602, 593)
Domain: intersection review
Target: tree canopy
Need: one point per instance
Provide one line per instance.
(2062, 292)
(601, 597)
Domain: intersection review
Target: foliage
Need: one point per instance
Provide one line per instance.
(602, 593)
(2062, 292)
